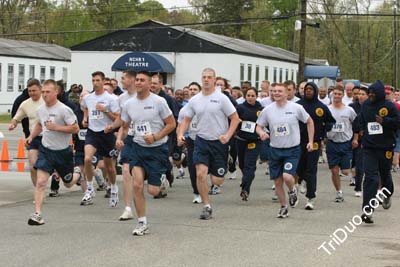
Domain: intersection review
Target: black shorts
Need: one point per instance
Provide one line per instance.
(103, 142)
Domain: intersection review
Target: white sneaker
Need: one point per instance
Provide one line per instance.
(275, 197)
(164, 184)
(232, 175)
(181, 173)
(114, 199)
(197, 199)
(310, 204)
(358, 194)
(140, 229)
(273, 187)
(88, 197)
(303, 187)
(126, 215)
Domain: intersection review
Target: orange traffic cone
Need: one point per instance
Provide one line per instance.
(21, 155)
(4, 156)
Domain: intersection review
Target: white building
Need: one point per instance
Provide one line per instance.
(189, 51)
(21, 60)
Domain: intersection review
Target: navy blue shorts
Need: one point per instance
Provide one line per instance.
(154, 161)
(126, 152)
(103, 142)
(36, 143)
(59, 160)
(79, 158)
(283, 160)
(264, 151)
(339, 154)
(213, 154)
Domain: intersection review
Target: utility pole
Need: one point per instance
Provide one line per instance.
(302, 47)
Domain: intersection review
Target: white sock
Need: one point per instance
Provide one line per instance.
(207, 206)
(143, 220)
(128, 209)
(90, 185)
(114, 188)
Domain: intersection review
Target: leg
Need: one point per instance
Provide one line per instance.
(138, 192)
(33, 156)
(202, 186)
(335, 178)
(280, 192)
(311, 173)
(250, 165)
(41, 183)
(127, 185)
(89, 153)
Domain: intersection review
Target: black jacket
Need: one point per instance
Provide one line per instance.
(382, 108)
(320, 114)
(248, 112)
(17, 102)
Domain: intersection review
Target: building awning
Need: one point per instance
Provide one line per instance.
(319, 72)
(139, 61)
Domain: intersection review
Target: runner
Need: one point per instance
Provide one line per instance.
(57, 123)
(338, 147)
(212, 109)
(283, 118)
(153, 121)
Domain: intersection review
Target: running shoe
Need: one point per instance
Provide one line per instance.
(88, 198)
(387, 203)
(54, 193)
(214, 190)
(274, 197)
(339, 197)
(303, 187)
(352, 181)
(140, 229)
(244, 195)
(358, 194)
(35, 219)
(114, 200)
(126, 215)
(197, 199)
(367, 218)
(108, 193)
(181, 173)
(206, 213)
(164, 185)
(310, 204)
(293, 199)
(102, 187)
(232, 175)
(283, 212)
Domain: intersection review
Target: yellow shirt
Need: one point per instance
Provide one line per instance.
(28, 109)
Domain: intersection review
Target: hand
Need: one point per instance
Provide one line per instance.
(379, 119)
(224, 139)
(310, 147)
(149, 139)
(12, 126)
(28, 141)
(51, 126)
(85, 123)
(264, 136)
(354, 144)
(108, 129)
(180, 140)
(119, 144)
(100, 107)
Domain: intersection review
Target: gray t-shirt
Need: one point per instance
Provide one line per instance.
(122, 100)
(147, 116)
(192, 131)
(58, 114)
(212, 113)
(98, 120)
(342, 130)
(283, 123)
(266, 101)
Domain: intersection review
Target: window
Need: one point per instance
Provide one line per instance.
(53, 73)
(257, 76)
(241, 73)
(10, 78)
(292, 76)
(65, 74)
(249, 72)
(280, 75)
(275, 74)
(266, 74)
(42, 74)
(21, 77)
(31, 71)
(287, 74)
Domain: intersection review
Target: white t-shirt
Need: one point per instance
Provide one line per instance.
(240, 100)
(212, 113)
(294, 99)
(347, 100)
(266, 101)
(147, 116)
(98, 120)
(193, 124)
(58, 114)
(283, 123)
(325, 100)
(122, 100)
(342, 130)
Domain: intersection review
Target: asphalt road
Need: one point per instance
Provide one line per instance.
(240, 234)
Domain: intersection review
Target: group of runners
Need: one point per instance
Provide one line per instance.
(204, 128)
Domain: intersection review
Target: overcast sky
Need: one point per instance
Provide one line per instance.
(172, 3)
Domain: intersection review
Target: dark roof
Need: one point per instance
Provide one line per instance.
(28, 49)
(154, 36)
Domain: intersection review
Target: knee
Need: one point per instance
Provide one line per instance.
(137, 186)
(88, 161)
(153, 190)
(41, 184)
(217, 181)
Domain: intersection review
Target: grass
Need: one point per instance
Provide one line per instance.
(5, 118)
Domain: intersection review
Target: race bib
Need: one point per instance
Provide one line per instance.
(142, 128)
(51, 118)
(82, 134)
(374, 128)
(281, 129)
(131, 130)
(338, 127)
(248, 126)
(96, 114)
